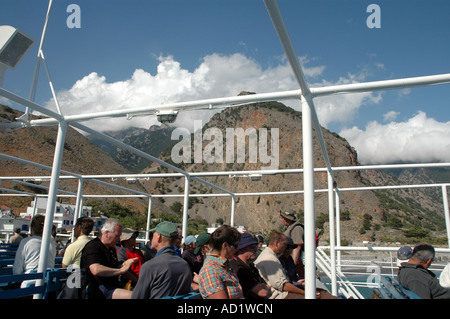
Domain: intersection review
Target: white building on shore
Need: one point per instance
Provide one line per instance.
(63, 217)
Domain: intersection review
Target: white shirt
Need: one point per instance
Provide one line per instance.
(444, 279)
(271, 270)
(28, 253)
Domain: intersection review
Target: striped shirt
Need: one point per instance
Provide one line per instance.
(216, 275)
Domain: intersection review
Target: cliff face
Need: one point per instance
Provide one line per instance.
(365, 215)
(261, 213)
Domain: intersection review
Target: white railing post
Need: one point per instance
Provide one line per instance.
(446, 212)
(338, 229)
(51, 201)
(332, 224)
(78, 207)
(149, 220)
(308, 184)
(187, 181)
(233, 210)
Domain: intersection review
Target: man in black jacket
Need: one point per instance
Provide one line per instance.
(415, 276)
(253, 286)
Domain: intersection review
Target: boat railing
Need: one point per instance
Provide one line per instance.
(346, 288)
(370, 271)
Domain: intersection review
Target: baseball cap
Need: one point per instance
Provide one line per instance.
(190, 239)
(167, 229)
(404, 253)
(202, 239)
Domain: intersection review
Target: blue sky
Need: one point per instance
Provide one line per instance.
(135, 53)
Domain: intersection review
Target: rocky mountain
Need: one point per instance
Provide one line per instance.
(366, 215)
(152, 141)
(396, 215)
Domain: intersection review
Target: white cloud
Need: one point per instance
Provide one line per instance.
(403, 92)
(342, 108)
(390, 116)
(227, 75)
(420, 139)
(380, 66)
(217, 76)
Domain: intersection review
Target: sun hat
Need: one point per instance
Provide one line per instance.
(246, 240)
(288, 215)
(127, 233)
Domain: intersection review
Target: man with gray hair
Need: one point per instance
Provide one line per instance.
(103, 268)
(415, 276)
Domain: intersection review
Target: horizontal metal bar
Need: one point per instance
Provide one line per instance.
(382, 85)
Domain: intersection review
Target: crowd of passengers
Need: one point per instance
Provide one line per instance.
(225, 264)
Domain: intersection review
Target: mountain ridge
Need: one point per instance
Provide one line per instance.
(370, 216)
(365, 215)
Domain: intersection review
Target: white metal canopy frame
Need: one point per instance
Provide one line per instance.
(309, 120)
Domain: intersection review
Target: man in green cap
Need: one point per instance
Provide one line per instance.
(166, 274)
(201, 251)
(201, 244)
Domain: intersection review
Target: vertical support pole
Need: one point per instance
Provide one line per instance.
(52, 192)
(446, 212)
(392, 264)
(233, 210)
(338, 229)
(78, 208)
(332, 234)
(185, 206)
(34, 207)
(149, 220)
(308, 184)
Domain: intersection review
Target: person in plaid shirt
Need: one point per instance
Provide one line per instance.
(217, 280)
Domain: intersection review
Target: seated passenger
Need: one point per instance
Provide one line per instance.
(72, 254)
(104, 271)
(29, 250)
(129, 250)
(217, 280)
(271, 269)
(415, 276)
(166, 274)
(253, 286)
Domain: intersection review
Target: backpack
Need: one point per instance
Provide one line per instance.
(298, 224)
